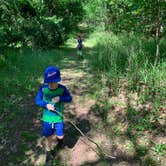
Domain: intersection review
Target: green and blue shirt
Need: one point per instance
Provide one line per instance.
(44, 97)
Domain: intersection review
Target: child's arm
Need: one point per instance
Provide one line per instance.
(41, 103)
(39, 99)
(66, 97)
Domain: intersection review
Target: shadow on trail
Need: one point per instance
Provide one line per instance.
(121, 161)
(74, 59)
(121, 140)
(24, 130)
(111, 162)
(72, 135)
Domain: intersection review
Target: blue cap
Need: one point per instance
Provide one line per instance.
(52, 74)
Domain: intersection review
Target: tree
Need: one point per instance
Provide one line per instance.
(38, 22)
(143, 17)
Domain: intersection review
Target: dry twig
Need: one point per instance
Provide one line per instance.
(99, 151)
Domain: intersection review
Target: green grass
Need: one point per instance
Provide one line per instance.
(20, 77)
(23, 72)
(126, 61)
(160, 149)
(27, 136)
(128, 57)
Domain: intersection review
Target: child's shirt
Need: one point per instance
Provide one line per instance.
(79, 41)
(45, 96)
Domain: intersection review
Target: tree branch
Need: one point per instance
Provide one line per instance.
(100, 151)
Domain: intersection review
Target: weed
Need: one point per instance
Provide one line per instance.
(160, 149)
(141, 150)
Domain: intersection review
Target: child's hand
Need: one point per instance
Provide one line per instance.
(56, 99)
(50, 107)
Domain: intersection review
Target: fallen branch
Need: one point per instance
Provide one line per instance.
(100, 151)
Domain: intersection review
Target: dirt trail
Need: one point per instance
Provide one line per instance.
(76, 81)
(78, 150)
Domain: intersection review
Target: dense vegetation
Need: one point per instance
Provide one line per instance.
(125, 44)
(38, 23)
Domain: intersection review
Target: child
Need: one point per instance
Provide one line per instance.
(79, 45)
(51, 96)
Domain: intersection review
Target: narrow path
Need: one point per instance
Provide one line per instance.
(78, 150)
(77, 80)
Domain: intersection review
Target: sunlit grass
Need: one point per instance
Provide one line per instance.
(127, 57)
(21, 75)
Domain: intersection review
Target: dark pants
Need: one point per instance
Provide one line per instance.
(79, 46)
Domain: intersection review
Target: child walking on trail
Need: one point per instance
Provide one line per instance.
(79, 45)
(51, 97)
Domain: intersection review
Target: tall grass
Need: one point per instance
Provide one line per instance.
(20, 76)
(129, 57)
(22, 70)
(126, 61)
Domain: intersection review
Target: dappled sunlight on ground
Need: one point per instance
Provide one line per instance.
(81, 153)
(36, 159)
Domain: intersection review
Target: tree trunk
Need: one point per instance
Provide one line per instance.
(157, 47)
(157, 34)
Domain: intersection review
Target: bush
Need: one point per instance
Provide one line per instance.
(36, 23)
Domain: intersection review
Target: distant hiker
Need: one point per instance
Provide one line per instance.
(51, 97)
(79, 45)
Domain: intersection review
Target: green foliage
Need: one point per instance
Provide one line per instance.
(33, 23)
(150, 162)
(129, 57)
(95, 13)
(27, 136)
(123, 54)
(117, 52)
(126, 61)
(58, 163)
(141, 150)
(139, 120)
(160, 149)
(19, 81)
(101, 109)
